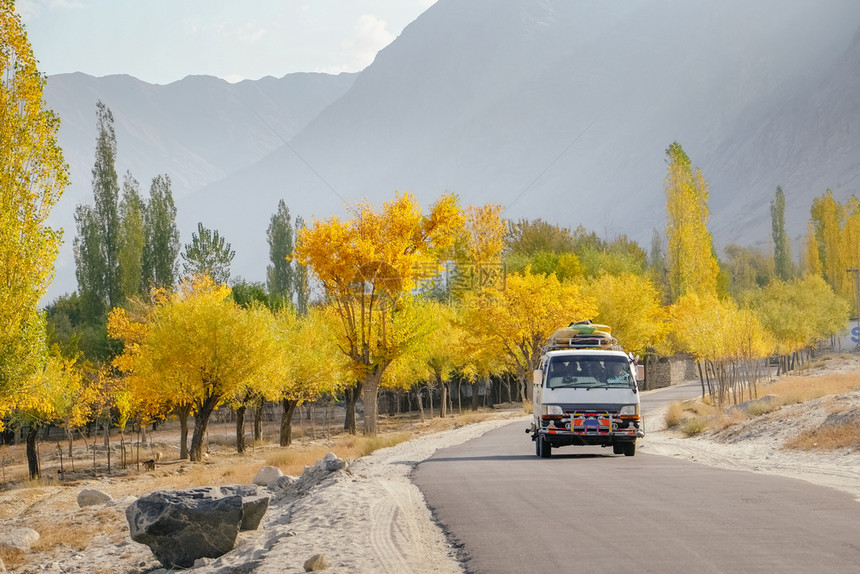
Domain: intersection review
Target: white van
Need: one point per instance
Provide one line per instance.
(586, 393)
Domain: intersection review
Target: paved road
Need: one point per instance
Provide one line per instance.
(586, 510)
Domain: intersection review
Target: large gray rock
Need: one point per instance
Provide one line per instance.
(254, 505)
(92, 497)
(267, 474)
(18, 538)
(183, 525)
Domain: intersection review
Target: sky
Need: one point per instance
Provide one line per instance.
(162, 41)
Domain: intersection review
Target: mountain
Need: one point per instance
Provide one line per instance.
(197, 130)
(563, 110)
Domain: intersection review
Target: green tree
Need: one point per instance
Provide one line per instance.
(781, 246)
(690, 259)
(132, 237)
(98, 241)
(208, 254)
(162, 236)
(530, 237)
(747, 268)
(279, 275)
(33, 176)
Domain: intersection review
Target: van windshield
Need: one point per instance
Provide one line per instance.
(589, 372)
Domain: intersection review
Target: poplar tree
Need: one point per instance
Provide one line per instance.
(161, 252)
(132, 237)
(208, 254)
(33, 176)
(781, 246)
(97, 244)
(690, 260)
(812, 261)
(279, 275)
(300, 277)
(827, 218)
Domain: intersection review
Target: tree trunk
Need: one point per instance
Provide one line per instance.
(182, 413)
(32, 455)
(107, 442)
(371, 393)
(258, 423)
(474, 405)
(240, 429)
(444, 387)
(287, 421)
(201, 421)
(419, 392)
(352, 395)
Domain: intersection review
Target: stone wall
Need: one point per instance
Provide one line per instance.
(666, 371)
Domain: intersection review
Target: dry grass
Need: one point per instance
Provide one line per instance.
(13, 558)
(827, 438)
(695, 425)
(800, 389)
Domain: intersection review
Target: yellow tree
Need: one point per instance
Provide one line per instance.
(313, 364)
(630, 304)
(201, 346)
(32, 178)
(690, 261)
(264, 385)
(43, 399)
(828, 217)
(519, 316)
(798, 313)
(365, 265)
(723, 339)
(440, 351)
(812, 261)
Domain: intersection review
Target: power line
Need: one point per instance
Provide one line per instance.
(554, 161)
(302, 159)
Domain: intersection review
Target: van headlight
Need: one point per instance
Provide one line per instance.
(629, 411)
(551, 410)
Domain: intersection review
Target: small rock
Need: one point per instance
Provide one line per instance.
(282, 482)
(92, 497)
(19, 539)
(332, 463)
(316, 563)
(267, 474)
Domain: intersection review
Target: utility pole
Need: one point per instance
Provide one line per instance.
(856, 273)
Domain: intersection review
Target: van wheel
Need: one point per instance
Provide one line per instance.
(543, 448)
(630, 448)
(618, 448)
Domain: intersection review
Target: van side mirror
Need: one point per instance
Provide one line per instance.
(537, 377)
(640, 373)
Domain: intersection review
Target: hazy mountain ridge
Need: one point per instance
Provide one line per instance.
(563, 110)
(197, 130)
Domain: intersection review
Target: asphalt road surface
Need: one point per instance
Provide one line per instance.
(586, 510)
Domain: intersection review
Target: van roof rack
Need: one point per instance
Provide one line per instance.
(595, 342)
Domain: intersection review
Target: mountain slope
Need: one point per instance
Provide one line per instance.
(559, 110)
(563, 110)
(197, 130)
